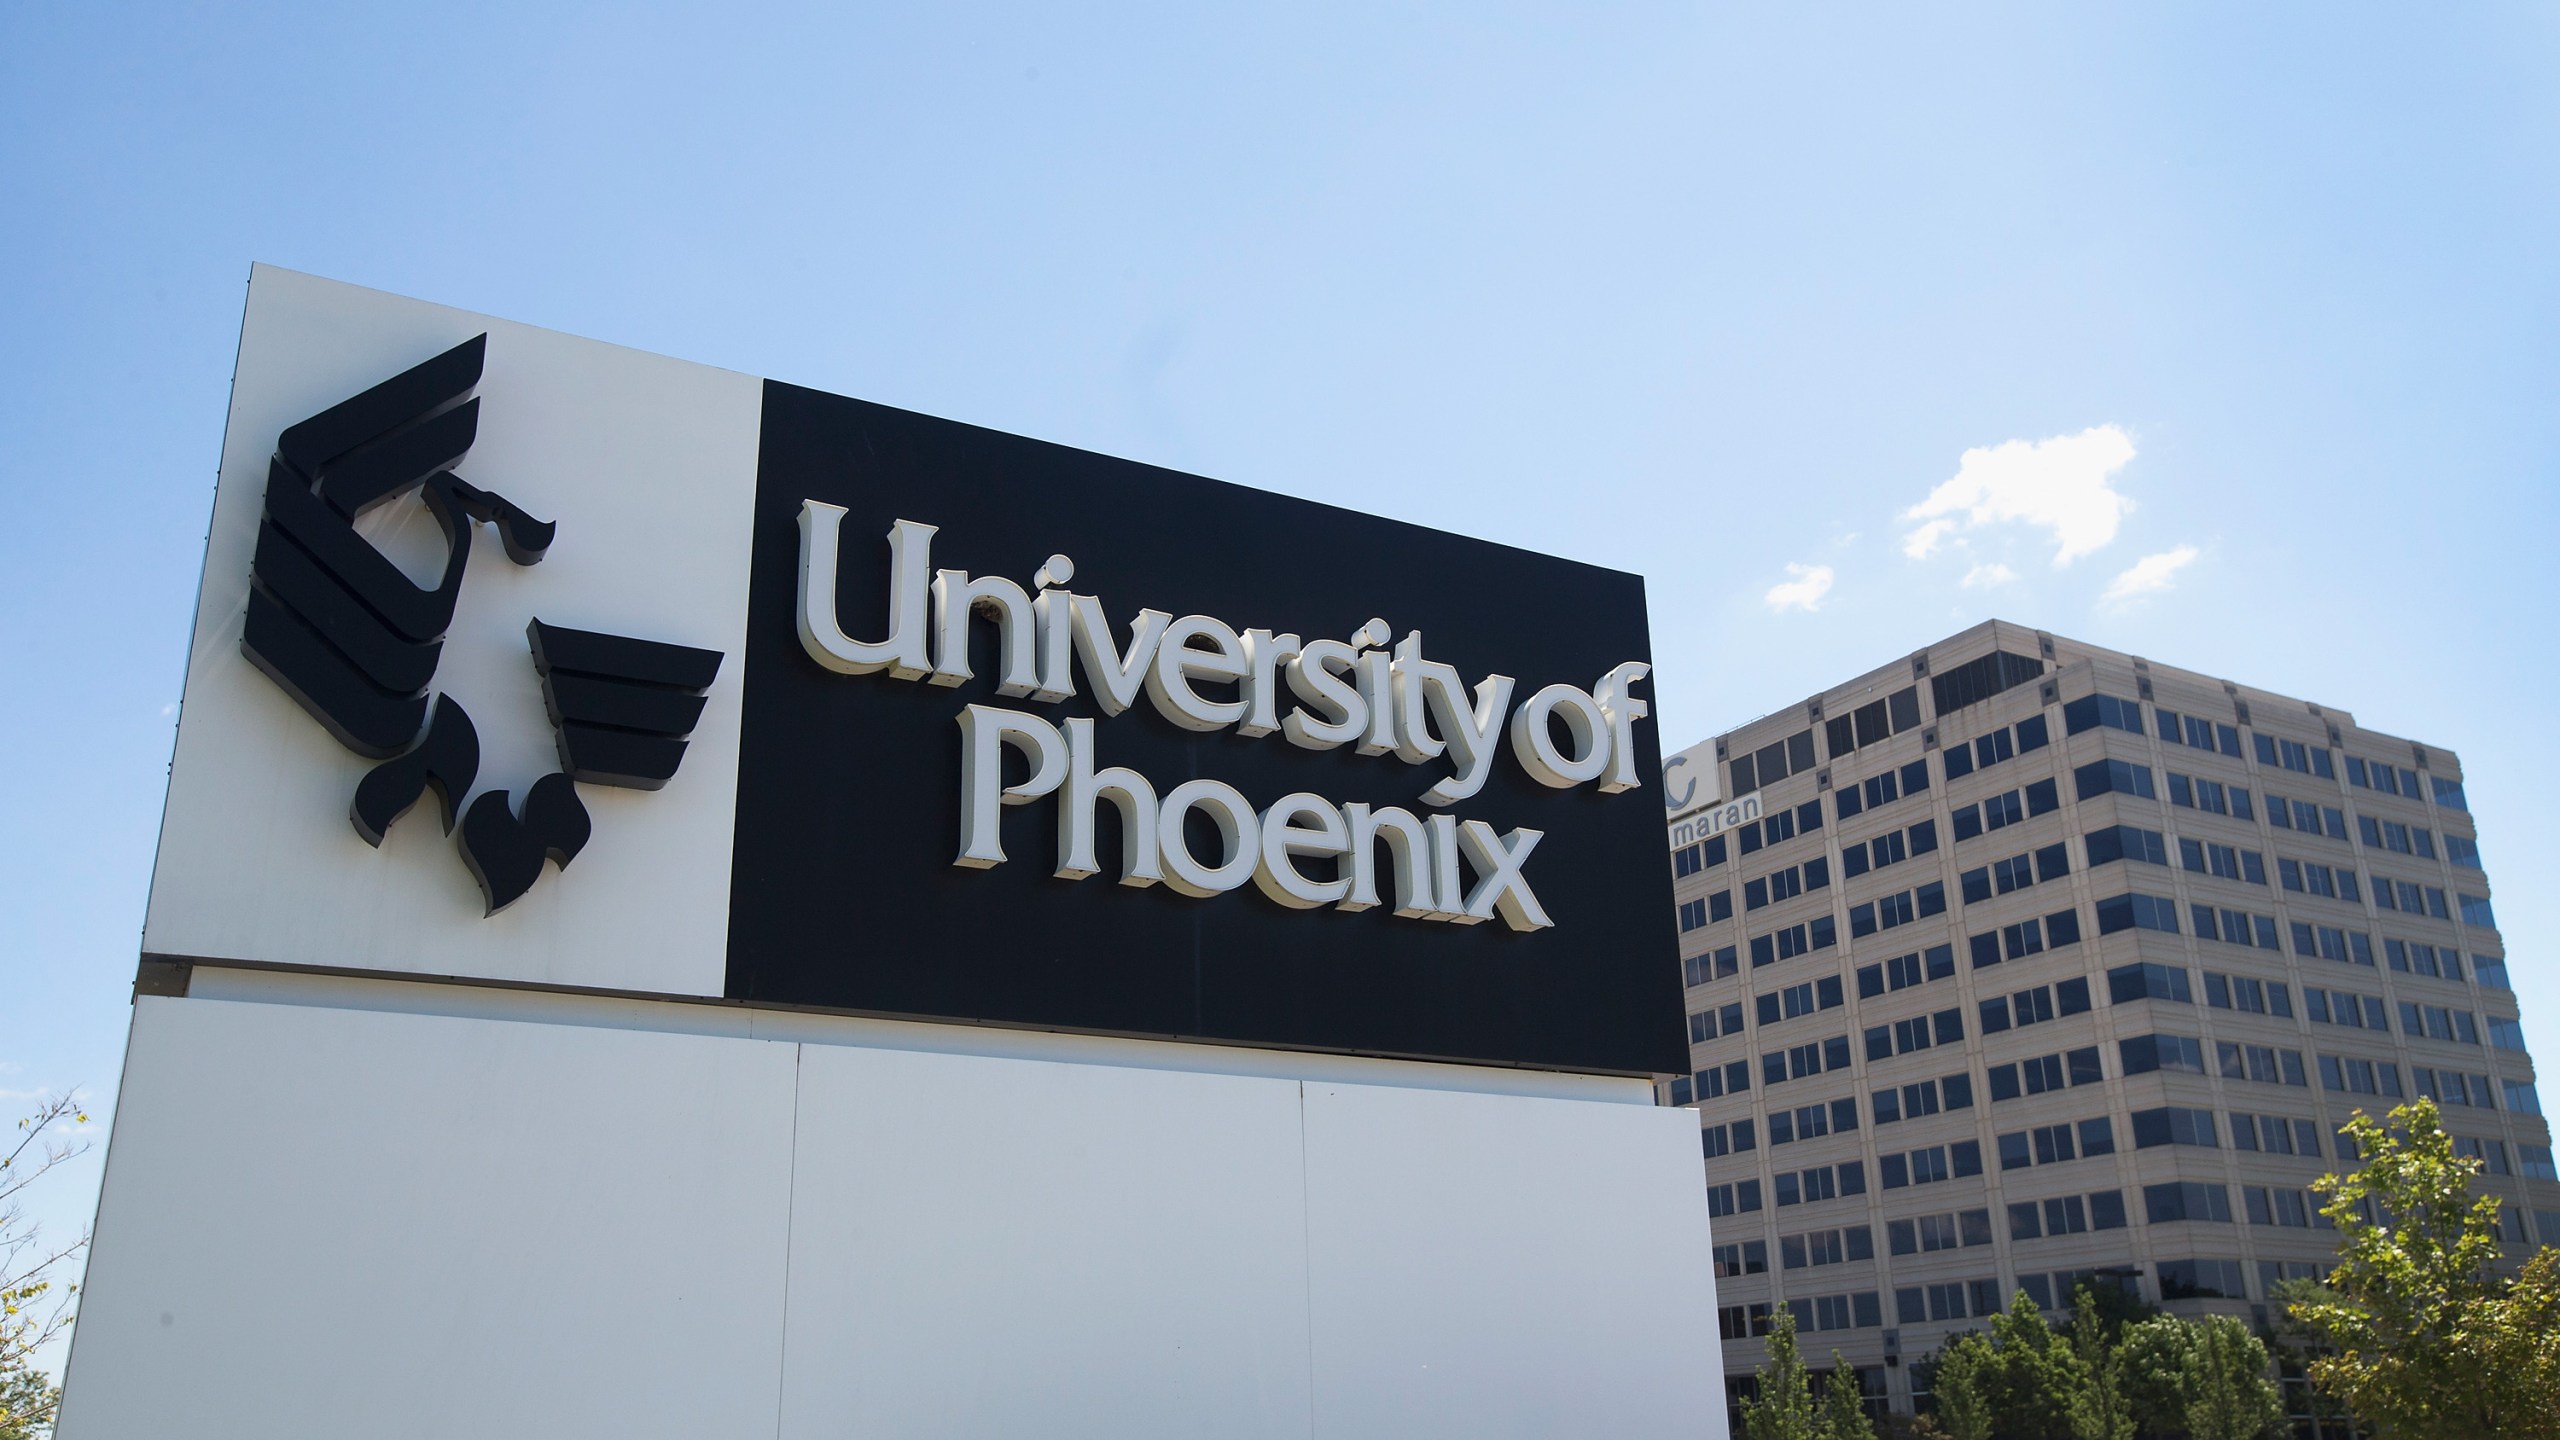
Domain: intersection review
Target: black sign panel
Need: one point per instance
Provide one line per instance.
(845, 890)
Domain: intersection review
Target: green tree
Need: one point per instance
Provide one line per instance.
(2152, 1358)
(1783, 1410)
(2032, 1375)
(1844, 1411)
(2519, 1334)
(2405, 1311)
(35, 1302)
(2098, 1409)
(1959, 1390)
(2229, 1396)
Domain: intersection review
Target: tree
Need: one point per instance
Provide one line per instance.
(2519, 1335)
(1783, 1410)
(35, 1305)
(2098, 1409)
(1844, 1411)
(2151, 1362)
(2032, 1373)
(2405, 1308)
(1957, 1385)
(2229, 1396)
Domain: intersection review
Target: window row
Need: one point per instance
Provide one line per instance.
(2036, 1005)
(2128, 912)
(2402, 781)
(2411, 957)
(1890, 848)
(1812, 1122)
(2412, 898)
(1883, 788)
(2223, 862)
(2234, 927)
(2275, 1134)
(2055, 1144)
(2113, 777)
(2331, 943)
(1957, 1300)
(2293, 1209)
(1790, 1001)
(1922, 1098)
(2345, 1007)
(1816, 1248)
(1888, 912)
(1930, 1164)
(1962, 759)
(2027, 937)
(1772, 762)
(2196, 732)
(1927, 1234)
(1708, 966)
(2453, 1087)
(2091, 711)
(1799, 1062)
(1779, 826)
(1920, 1032)
(2295, 756)
(2311, 878)
(2399, 839)
(1707, 1024)
(1718, 1141)
(1822, 1182)
(2017, 872)
(2212, 796)
(2306, 817)
(2066, 1215)
(2009, 807)
(1902, 972)
(2044, 1073)
(2438, 1022)
(1712, 1083)
(1873, 722)
(1819, 933)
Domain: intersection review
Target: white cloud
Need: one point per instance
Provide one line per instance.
(1920, 544)
(2063, 485)
(2149, 574)
(1804, 592)
(1983, 577)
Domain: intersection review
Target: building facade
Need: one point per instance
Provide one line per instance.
(2020, 962)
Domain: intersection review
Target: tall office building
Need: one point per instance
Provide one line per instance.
(2019, 962)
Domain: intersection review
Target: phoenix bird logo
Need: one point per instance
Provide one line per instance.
(351, 637)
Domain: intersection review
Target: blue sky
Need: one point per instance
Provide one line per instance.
(1700, 292)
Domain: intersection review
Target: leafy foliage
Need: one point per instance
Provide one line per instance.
(2101, 1381)
(35, 1306)
(2409, 1311)
(2098, 1409)
(1844, 1411)
(1783, 1410)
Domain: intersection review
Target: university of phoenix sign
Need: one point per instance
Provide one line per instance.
(840, 706)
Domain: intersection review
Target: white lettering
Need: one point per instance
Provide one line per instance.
(910, 576)
(1284, 839)
(1533, 740)
(985, 734)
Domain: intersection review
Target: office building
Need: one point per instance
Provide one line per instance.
(2019, 962)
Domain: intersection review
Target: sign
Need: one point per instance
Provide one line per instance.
(1691, 780)
(1707, 824)
(782, 697)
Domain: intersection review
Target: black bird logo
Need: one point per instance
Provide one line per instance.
(352, 638)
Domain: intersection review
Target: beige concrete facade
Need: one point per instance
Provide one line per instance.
(2062, 1048)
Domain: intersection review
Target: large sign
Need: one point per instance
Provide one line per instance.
(783, 697)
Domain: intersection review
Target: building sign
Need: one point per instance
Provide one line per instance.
(783, 697)
(1715, 820)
